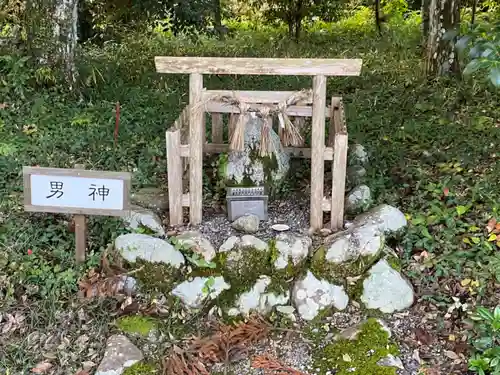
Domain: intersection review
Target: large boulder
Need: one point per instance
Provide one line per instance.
(248, 168)
(311, 295)
(348, 253)
(134, 246)
(386, 290)
(389, 219)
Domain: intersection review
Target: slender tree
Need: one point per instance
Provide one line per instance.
(65, 27)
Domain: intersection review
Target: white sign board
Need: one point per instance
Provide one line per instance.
(76, 191)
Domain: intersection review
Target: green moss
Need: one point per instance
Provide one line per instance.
(243, 267)
(282, 279)
(136, 324)
(359, 356)
(354, 291)
(141, 368)
(337, 273)
(316, 330)
(394, 262)
(156, 277)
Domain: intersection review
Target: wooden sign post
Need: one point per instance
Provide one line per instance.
(79, 192)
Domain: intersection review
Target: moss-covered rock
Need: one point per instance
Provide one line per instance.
(311, 295)
(357, 352)
(136, 324)
(156, 277)
(259, 299)
(249, 265)
(347, 254)
(248, 168)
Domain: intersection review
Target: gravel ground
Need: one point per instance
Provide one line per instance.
(292, 212)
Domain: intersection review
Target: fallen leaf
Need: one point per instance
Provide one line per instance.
(451, 355)
(452, 337)
(465, 282)
(423, 336)
(3, 105)
(81, 372)
(491, 224)
(346, 357)
(42, 368)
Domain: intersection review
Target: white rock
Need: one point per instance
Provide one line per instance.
(247, 223)
(357, 155)
(388, 218)
(252, 241)
(120, 353)
(385, 289)
(358, 199)
(138, 216)
(366, 240)
(135, 246)
(280, 227)
(291, 247)
(311, 295)
(193, 293)
(195, 241)
(258, 300)
(229, 244)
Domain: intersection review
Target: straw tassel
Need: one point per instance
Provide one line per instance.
(266, 147)
(288, 133)
(238, 138)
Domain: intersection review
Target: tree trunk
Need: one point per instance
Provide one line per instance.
(66, 37)
(218, 18)
(441, 57)
(474, 8)
(425, 19)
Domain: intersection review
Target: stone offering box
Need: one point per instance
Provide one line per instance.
(246, 200)
(186, 140)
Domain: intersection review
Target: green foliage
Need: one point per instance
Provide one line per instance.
(483, 44)
(293, 12)
(486, 341)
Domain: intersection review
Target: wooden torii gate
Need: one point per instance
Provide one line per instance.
(315, 106)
